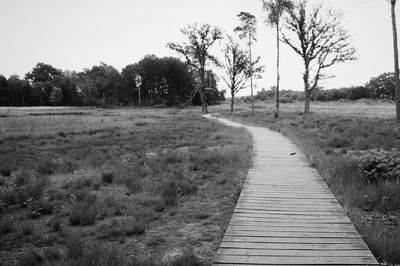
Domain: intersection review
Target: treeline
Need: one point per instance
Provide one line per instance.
(151, 81)
(381, 87)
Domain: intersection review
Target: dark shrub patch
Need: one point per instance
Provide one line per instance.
(107, 177)
(56, 224)
(169, 193)
(45, 167)
(379, 164)
(27, 229)
(74, 245)
(5, 172)
(83, 214)
(6, 225)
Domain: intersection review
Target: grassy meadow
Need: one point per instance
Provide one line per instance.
(87, 186)
(355, 147)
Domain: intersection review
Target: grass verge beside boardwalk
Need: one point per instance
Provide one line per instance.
(355, 156)
(116, 187)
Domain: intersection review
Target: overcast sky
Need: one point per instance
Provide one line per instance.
(77, 34)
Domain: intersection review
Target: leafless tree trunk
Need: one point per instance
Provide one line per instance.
(251, 78)
(396, 60)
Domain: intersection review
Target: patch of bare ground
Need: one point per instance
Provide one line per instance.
(117, 187)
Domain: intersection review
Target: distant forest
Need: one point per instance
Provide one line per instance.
(152, 81)
(381, 87)
(163, 81)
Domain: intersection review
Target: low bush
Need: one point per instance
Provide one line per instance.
(61, 165)
(384, 244)
(6, 224)
(22, 178)
(5, 172)
(83, 213)
(55, 223)
(379, 164)
(27, 228)
(188, 258)
(8, 195)
(46, 207)
(74, 245)
(45, 167)
(169, 193)
(107, 177)
(120, 227)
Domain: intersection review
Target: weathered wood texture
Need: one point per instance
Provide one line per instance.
(286, 214)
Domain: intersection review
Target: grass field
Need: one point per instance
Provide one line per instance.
(116, 186)
(355, 147)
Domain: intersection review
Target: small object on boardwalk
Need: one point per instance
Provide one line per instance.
(286, 214)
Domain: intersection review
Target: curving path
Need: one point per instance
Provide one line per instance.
(286, 214)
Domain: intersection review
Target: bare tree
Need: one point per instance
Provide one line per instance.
(275, 9)
(320, 40)
(237, 66)
(196, 51)
(247, 30)
(396, 59)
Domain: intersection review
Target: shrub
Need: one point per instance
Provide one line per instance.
(6, 225)
(27, 228)
(56, 194)
(22, 178)
(380, 164)
(83, 214)
(8, 195)
(337, 141)
(45, 167)
(120, 227)
(159, 206)
(56, 223)
(3, 181)
(74, 245)
(188, 258)
(107, 177)
(46, 207)
(169, 193)
(385, 245)
(36, 187)
(134, 185)
(5, 172)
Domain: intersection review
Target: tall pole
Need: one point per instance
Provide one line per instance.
(396, 60)
(251, 77)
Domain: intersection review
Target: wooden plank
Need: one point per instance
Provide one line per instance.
(294, 253)
(287, 246)
(269, 260)
(266, 223)
(293, 212)
(270, 234)
(258, 228)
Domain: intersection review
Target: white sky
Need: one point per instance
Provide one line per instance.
(77, 34)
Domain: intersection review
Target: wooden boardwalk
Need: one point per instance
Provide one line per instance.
(286, 214)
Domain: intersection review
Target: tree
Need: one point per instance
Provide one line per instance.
(396, 59)
(237, 68)
(275, 9)
(382, 87)
(43, 78)
(196, 51)
(247, 30)
(320, 40)
(56, 96)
